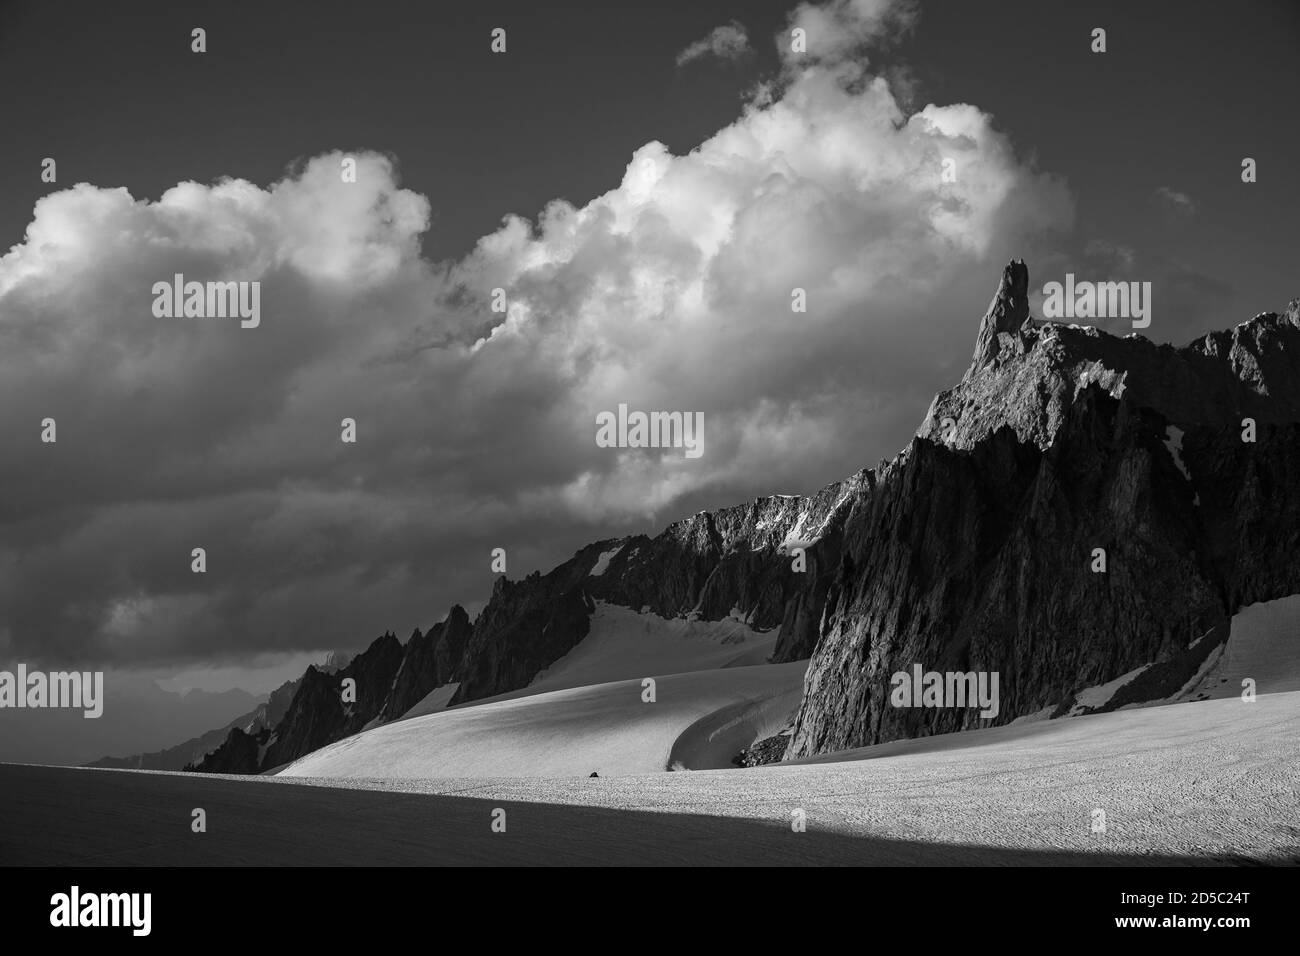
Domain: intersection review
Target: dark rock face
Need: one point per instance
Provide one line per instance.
(239, 753)
(973, 549)
(317, 714)
(449, 647)
(427, 662)
(525, 627)
(273, 711)
(714, 564)
(761, 752)
(737, 560)
(1007, 315)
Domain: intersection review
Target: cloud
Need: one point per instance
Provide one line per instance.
(842, 30)
(476, 429)
(727, 42)
(1176, 202)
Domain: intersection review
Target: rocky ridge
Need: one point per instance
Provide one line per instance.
(970, 550)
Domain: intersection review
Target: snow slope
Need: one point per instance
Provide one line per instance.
(585, 713)
(624, 644)
(604, 728)
(1205, 782)
(1202, 781)
(1264, 645)
(432, 702)
(714, 696)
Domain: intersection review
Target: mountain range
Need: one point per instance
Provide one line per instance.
(268, 713)
(1080, 507)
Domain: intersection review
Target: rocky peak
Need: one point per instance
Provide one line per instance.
(335, 661)
(1026, 373)
(1007, 314)
(427, 662)
(971, 551)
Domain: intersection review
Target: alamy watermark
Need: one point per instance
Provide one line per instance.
(73, 689)
(208, 300)
(1098, 300)
(626, 429)
(74, 908)
(951, 689)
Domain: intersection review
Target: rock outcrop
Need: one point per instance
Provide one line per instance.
(428, 662)
(317, 715)
(976, 548)
(1001, 330)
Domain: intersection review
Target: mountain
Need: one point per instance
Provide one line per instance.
(319, 713)
(429, 662)
(267, 714)
(335, 660)
(974, 549)
(137, 715)
(731, 562)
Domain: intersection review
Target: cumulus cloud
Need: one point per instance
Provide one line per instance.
(840, 31)
(727, 42)
(476, 429)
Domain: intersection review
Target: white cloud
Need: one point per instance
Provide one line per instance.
(670, 292)
(727, 42)
(673, 290)
(840, 29)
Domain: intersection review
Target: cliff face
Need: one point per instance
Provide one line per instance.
(428, 662)
(738, 559)
(974, 549)
(316, 715)
(319, 713)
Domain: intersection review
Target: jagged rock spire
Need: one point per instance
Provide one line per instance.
(1007, 313)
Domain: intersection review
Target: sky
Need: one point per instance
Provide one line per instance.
(647, 184)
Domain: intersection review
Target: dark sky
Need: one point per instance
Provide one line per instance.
(1185, 90)
(583, 85)
(1124, 165)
